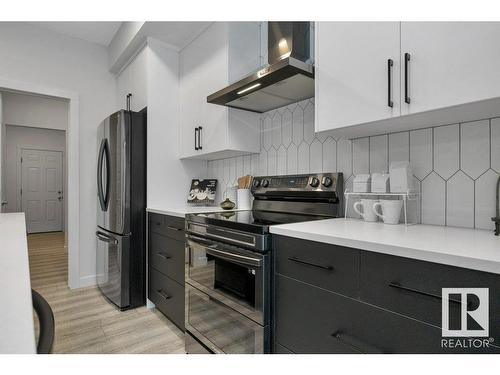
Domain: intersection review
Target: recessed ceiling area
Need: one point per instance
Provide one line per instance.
(178, 34)
(97, 32)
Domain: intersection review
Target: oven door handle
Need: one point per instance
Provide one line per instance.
(231, 257)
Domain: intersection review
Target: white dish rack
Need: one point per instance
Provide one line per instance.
(409, 196)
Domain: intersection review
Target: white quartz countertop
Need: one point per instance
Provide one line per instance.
(17, 331)
(182, 211)
(461, 247)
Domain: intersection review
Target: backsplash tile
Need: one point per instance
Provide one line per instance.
(455, 166)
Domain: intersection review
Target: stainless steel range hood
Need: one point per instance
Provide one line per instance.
(288, 79)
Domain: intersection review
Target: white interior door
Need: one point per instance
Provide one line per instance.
(42, 190)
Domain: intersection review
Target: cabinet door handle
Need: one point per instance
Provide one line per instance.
(196, 130)
(390, 63)
(407, 63)
(296, 260)
(163, 295)
(200, 128)
(421, 292)
(163, 255)
(355, 344)
(173, 228)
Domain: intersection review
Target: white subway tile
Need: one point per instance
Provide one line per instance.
(399, 146)
(281, 161)
(495, 144)
(378, 154)
(271, 162)
(485, 195)
(421, 152)
(433, 200)
(303, 158)
(344, 157)
(298, 125)
(330, 155)
(316, 157)
(291, 159)
(309, 123)
(475, 148)
(286, 127)
(446, 150)
(360, 156)
(276, 132)
(460, 201)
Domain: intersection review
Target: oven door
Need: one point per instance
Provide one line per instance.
(219, 327)
(238, 278)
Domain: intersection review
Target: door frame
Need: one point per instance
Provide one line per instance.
(72, 167)
(19, 175)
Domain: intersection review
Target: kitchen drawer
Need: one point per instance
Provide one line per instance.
(413, 288)
(167, 256)
(170, 226)
(328, 266)
(313, 320)
(168, 296)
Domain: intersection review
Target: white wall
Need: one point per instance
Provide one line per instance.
(35, 111)
(45, 58)
(18, 137)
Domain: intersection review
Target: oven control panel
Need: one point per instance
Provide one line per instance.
(305, 182)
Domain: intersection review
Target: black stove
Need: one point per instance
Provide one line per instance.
(277, 200)
(228, 277)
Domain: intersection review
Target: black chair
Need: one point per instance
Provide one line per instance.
(46, 320)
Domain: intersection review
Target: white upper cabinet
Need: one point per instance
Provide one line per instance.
(450, 63)
(211, 131)
(442, 72)
(357, 73)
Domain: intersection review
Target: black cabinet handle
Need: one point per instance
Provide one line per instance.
(421, 292)
(390, 63)
(407, 62)
(355, 344)
(173, 228)
(296, 260)
(196, 130)
(163, 294)
(200, 128)
(163, 255)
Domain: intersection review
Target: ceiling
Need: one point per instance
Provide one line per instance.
(176, 33)
(97, 32)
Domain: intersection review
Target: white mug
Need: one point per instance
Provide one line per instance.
(367, 214)
(391, 210)
(244, 199)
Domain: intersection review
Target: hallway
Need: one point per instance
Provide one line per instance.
(85, 321)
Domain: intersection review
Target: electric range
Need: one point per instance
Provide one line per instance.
(228, 276)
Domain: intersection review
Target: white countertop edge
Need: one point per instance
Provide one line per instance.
(16, 314)
(471, 262)
(183, 211)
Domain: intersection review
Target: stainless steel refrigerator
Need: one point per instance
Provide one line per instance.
(121, 206)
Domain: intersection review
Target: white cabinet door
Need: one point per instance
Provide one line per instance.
(214, 118)
(352, 73)
(450, 63)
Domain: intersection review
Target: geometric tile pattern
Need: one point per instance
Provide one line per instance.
(455, 166)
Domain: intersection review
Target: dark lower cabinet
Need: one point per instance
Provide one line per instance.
(168, 296)
(166, 259)
(393, 304)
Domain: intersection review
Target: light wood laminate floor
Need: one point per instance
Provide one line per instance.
(85, 321)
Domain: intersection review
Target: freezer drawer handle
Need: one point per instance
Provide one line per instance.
(416, 291)
(355, 344)
(163, 255)
(296, 260)
(163, 294)
(105, 238)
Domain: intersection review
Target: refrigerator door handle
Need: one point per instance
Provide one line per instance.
(103, 157)
(104, 237)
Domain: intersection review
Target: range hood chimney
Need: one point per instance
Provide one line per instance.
(289, 77)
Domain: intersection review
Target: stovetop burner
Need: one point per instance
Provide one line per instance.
(253, 221)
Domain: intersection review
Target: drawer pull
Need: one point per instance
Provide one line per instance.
(163, 294)
(408, 289)
(174, 228)
(355, 344)
(163, 255)
(296, 260)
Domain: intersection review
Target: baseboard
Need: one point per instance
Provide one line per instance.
(86, 281)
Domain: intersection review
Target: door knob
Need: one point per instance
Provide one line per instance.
(60, 198)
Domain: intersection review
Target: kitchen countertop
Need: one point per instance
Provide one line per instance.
(17, 331)
(461, 247)
(184, 210)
